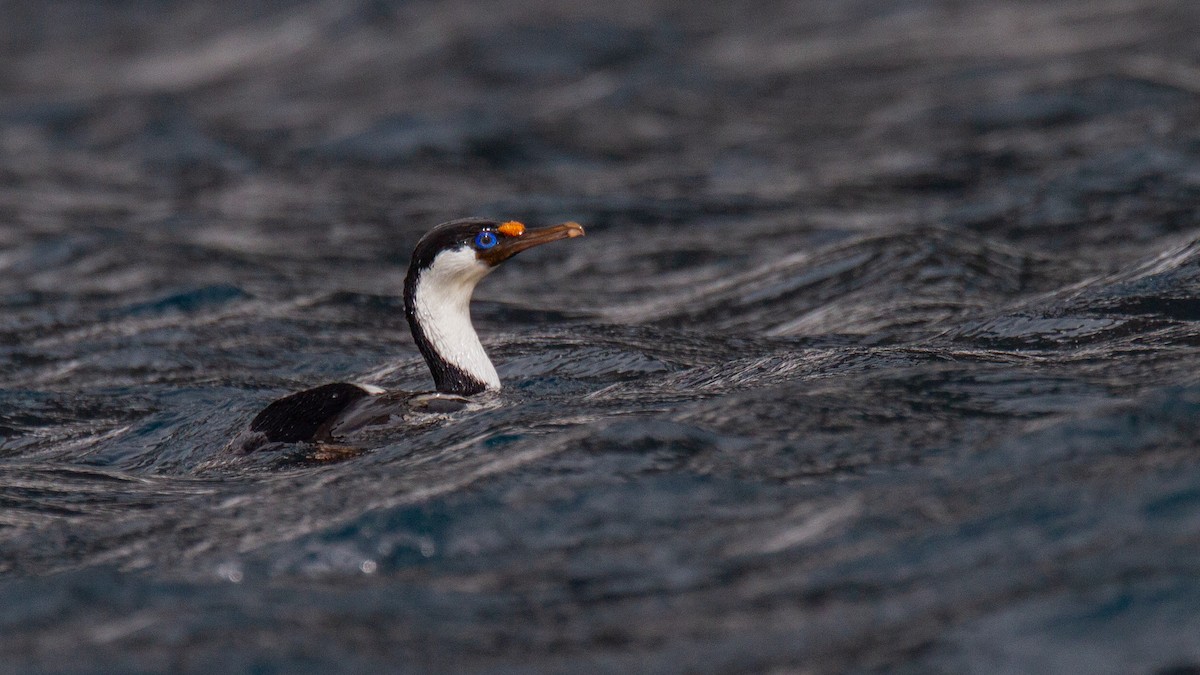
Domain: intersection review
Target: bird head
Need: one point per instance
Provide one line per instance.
(446, 264)
(475, 246)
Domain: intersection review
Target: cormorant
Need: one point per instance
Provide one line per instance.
(446, 264)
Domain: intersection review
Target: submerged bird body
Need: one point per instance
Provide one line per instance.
(446, 265)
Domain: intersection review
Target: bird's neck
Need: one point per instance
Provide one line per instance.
(437, 304)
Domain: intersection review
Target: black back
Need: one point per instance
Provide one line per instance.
(307, 415)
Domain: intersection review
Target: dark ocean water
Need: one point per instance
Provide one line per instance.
(882, 353)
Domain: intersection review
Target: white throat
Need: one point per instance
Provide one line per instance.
(442, 304)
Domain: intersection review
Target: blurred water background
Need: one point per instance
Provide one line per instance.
(881, 354)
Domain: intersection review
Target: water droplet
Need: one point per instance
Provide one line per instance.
(230, 571)
(427, 548)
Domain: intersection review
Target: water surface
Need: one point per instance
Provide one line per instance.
(881, 353)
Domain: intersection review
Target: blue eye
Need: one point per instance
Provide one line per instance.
(485, 240)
